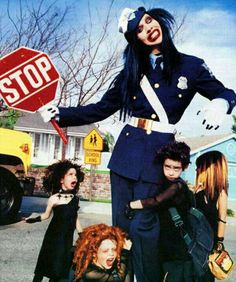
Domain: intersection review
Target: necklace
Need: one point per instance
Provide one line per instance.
(64, 194)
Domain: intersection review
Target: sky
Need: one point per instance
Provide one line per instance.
(209, 32)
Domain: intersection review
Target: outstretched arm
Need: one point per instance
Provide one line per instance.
(223, 100)
(45, 215)
(157, 200)
(86, 114)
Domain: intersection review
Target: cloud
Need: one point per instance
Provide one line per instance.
(211, 27)
(210, 34)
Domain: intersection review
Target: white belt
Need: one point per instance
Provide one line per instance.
(151, 125)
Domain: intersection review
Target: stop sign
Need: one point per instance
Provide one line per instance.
(28, 79)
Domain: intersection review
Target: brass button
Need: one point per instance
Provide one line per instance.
(127, 134)
(156, 85)
(134, 97)
(153, 116)
(180, 95)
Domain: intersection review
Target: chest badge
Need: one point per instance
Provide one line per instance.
(182, 83)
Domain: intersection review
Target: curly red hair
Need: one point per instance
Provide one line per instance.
(87, 246)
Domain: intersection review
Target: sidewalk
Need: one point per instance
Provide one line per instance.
(105, 208)
(37, 204)
(95, 207)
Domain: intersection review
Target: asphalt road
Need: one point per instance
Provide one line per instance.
(20, 242)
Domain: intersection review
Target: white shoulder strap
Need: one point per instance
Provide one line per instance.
(153, 99)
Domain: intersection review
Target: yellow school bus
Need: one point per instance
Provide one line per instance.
(15, 157)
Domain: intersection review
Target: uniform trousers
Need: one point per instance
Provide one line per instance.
(143, 229)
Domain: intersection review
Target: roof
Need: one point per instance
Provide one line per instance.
(34, 123)
(203, 142)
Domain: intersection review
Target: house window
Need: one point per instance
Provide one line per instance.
(77, 148)
(57, 148)
(36, 144)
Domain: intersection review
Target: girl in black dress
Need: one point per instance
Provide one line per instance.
(211, 193)
(55, 256)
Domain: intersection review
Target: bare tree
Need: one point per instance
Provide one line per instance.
(39, 26)
(84, 60)
(90, 66)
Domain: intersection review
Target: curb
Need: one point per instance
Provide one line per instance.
(94, 207)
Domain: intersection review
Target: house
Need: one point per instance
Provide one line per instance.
(47, 145)
(224, 143)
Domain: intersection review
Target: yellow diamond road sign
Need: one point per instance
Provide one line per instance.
(93, 141)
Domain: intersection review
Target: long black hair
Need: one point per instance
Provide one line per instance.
(136, 58)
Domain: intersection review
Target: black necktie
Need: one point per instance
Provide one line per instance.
(158, 62)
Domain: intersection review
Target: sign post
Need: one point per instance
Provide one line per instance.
(28, 81)
(93, 145)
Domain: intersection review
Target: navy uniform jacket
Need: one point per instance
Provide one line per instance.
(135, 150)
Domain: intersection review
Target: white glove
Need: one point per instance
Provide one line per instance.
(214, 113)
(48, 112)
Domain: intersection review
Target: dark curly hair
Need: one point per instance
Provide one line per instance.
(55, 172)
(177, 151)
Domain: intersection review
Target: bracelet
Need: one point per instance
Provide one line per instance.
(221, 220)
(220, 239)
(34, 219)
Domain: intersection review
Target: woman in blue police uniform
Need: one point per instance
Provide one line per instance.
(154, 88)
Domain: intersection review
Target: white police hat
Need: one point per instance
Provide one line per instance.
(129, 19)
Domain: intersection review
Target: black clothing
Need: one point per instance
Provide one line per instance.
(176, 194)
(55, 256)
(179, 271)
(143, 229)
(210, 211)
(176, 262)
(134, 154)
(97, 274)
(37, 278)
(133, 158)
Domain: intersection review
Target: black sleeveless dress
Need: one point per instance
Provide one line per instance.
(209, 209)
(55, 256)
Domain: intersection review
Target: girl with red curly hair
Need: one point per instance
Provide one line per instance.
(102, 254)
